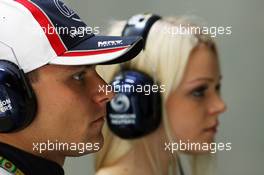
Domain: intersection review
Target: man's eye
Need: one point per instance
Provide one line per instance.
(199, 92)
(79, 76)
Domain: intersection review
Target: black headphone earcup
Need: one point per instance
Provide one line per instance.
(133, 114)
(17, 107)
(30, 101)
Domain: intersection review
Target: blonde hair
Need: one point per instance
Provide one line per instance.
(164, 58)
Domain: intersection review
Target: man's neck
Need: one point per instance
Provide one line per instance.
(24, 143)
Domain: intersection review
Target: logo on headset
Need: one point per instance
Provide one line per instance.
(139, 20)
(5, 105)
(120, 103)
(66, 11)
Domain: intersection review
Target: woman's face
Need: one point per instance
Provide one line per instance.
(193, 107)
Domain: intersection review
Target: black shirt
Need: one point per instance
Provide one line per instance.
(28, 163)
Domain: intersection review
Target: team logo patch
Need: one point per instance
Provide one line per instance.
(110, 43)
(66, 11)
(9, 167)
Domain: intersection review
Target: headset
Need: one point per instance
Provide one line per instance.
(131, 113)
(18, 103)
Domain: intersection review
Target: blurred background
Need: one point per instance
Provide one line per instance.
(242, 62)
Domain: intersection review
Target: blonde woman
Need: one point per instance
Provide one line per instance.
(187, 66)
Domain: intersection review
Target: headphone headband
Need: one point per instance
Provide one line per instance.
(140, 25)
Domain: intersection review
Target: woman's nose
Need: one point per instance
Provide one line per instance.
(217, 106)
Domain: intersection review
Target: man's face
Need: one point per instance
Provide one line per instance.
(71, 109)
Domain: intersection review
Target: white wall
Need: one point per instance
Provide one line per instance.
(242, 65)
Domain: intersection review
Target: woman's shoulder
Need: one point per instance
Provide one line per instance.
(104, 171)
(112, 170)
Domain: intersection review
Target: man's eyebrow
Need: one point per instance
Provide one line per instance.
(73, 69)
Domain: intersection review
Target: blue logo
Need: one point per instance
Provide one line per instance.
(120, 103)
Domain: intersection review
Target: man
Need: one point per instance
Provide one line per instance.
(56, 110)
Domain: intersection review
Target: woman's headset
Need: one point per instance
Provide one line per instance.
(18, 103)
(132, 113)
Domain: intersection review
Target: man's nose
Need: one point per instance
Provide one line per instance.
(104, 92)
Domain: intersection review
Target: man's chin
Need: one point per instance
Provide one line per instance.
(91, 146)
(99, 139)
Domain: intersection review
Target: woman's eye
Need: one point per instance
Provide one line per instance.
(218, 88)
(79, 76)
(199, 92)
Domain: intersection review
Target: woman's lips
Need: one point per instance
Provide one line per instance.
(212, 128)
